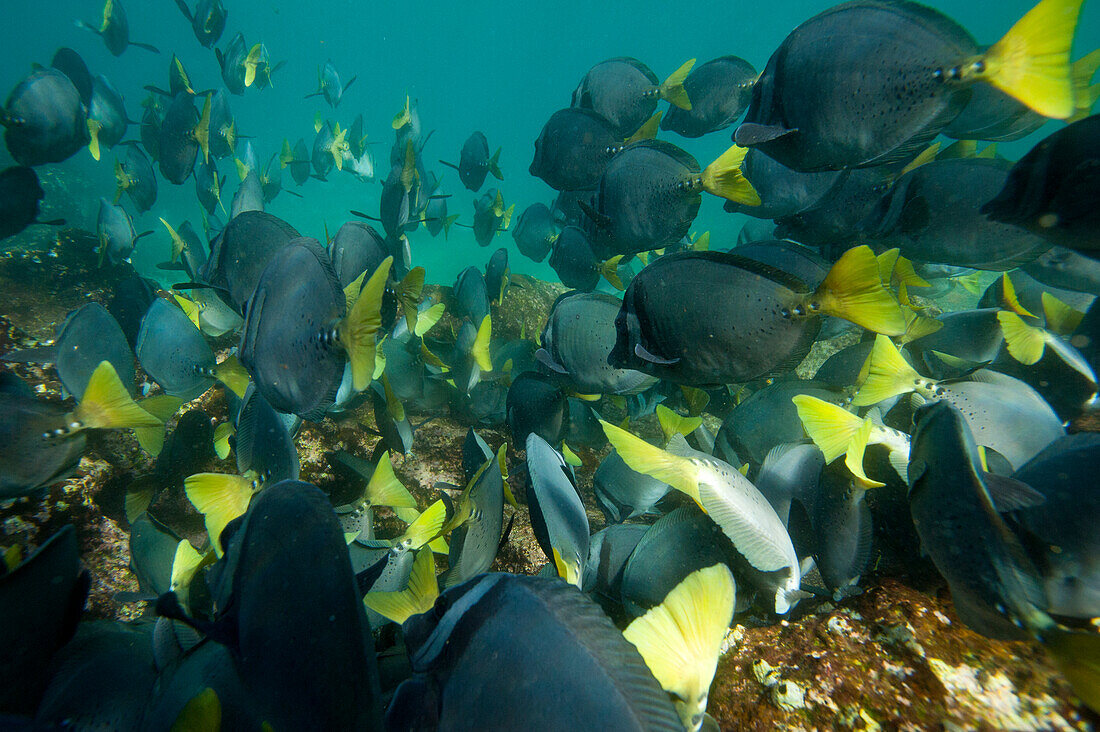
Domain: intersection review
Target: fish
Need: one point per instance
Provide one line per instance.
(135, 176)
(115, 231)
(651, 191)
(603, 673)
(475, 163)
(477, 522)
(235, 63)
(240, 253)
(830, 224)
(490, 216)
(223, 127)
(783, 192)
(938, 203)
(151, 120)
(470, 295)
(207, 20)
(330, 86)
(608, 552)
(843, 530)
(114, 29)
(625, 92)
(328, 150)
(45, 119)
(107, 120)
(623, 494)
(471, 356)
(536, 405)
(249, 196)
(904, 91)
(731, 501)
(558, 517)
(183, 134)
(1047, 191)
(719, 90)
(671, 331)
(535, 232)
(356, 248)
(1065, 269)
(88, 336)
(20, 197)
(574, 260)
(577, 340)
(295, 346)
(497, 275)
(382, 488)
(574, 148)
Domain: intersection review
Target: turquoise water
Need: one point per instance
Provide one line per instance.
(502, 68)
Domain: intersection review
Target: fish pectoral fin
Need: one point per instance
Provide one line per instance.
(641, 352)
(750, 134)
(1009, 494)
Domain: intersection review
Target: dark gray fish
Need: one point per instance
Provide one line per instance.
(574, 261)
(574, 148)
(187, 450)
(44, 119)
(208, 184)
(994, 116)
(932, 214)
(1052, 190)
(129, 302)
(249, 196)
(675, 546)
(497, 275)
(40, 603)
(298, 299)
(577, 339)
(329, 85)
(483, 406)
(152, 552)
(151, 120)
(558, 518)
(436, 219)
(115, 29)
(566, 208)
(1061, 532)
(719, 91)
(286, 567)
(843, 530)
(1028, 292)
(467, 365)
(474, 162)
(323, 145)
(608, 552)
(136, 177)
(20, 193)
(107, 120)
(625, 92)
(207, 20)
(177, 146)
(263, 443)
(768, 418)
(490, 217)
(70, 63)
(783, 191)
(198, 669)
(29, 459)
(1065, 269)
(842, 369)
(115, 230)
(474, 542)
(395, 428)
(88, 336)
(223, 128)
(232, 62)
(536, 405)
(624, 494)
(535, 232)
(972, 335)
(455, 684)
(271, 180)
(994, 586)
(470, 296)
(356, 248)
(831, 222)
(298, 160)
(173, 352)
(242, 251)
(790, 473)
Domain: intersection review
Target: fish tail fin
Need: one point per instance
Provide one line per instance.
(403, 117)
(1060, 317)
(570, 457)
(506, 218)
(107, 405)
(568, 569)
(918, 325)
(359, 327)
(202, 711)
(1025, 342)
(202, 130)
(1031, 61)
(219, 498)
(222, 433)
(854, 291)
(235, 376)
(231, 136)
(123, 182)
(189, 307)
(494, 165)
(853, 456)
(1009, 298)
(384, 489)
(286, 155)
(673, 90)
(723, 178)
(702, 243)
(971, 282)
(676, 424)
(447, 223)
(680, 639)
(161, 406)
(649, 459)
(610, 272)
(480, 350)
(185, 563)
(93, 133)
(177, 244)
(252, 62)
(648, 130)
(1077, 656)
(829, 426)
(1085, 93)
(417, 598)
(428, 319)
(352, 290)
(408, 294)
(888, 374)
(426, 526)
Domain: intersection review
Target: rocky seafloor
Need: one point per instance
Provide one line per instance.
(894, 657)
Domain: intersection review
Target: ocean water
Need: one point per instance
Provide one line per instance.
(502, 68)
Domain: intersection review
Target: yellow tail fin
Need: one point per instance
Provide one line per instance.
(1060, 317)
(829, 426)
(235, 376)
(702, 243)
(888, 374)
(680, 639)
(202, 712)
(672, 90)
(568, 570)
(220, 499)
(408, 171)
(723, 178)
(480, 350)
(648, 130)
(251, 62)
(853, 456)
(417, 598)
(494, 165)
(1077, 655)
(352, 290)
(1031, 62)
(403, 117)
(610, 271)
(426, 527)
(93, 132)
(1025, 342)
(123, 182)
(185, 564)
(359, 327)
(408, 294)
(853, 290)
(222, 433)
(972, 282)
(106, 405)
(427, 320)
(926, 156)
(201, 132)
(161, 406)
(676, 424)
(1008, 295)
(570, 456)
(177, 242)
(393, 404)
(643, 457)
